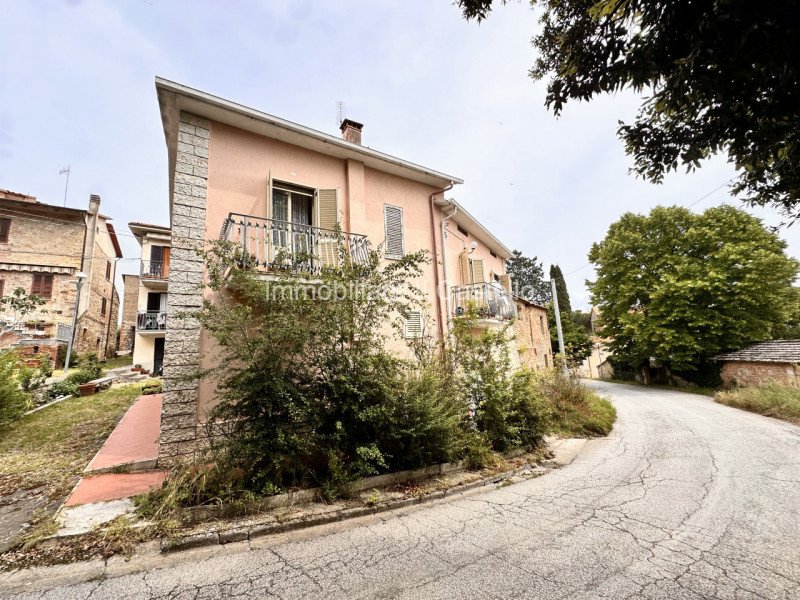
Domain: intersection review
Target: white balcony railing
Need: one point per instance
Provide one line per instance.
(295, 247)
(151, 320)
(490, 301)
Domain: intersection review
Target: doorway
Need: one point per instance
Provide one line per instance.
(158, 356)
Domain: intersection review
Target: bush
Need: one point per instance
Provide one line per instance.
(85, 374)
(13, 400)
(771, 399)
(63, 388)
(46, 366)
(575, 410)
(62, 355)
(152, 388)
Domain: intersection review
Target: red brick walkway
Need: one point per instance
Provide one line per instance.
(133, 445)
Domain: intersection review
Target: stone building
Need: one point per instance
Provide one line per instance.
(775, 360)
(130, 304)
(42, 248)
(532, 335)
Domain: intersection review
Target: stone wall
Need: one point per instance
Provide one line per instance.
(533, 336)
(96, 332)
(179, 429)
(130, 303)
(754, 373)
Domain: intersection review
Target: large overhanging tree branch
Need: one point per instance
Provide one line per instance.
(719, 77)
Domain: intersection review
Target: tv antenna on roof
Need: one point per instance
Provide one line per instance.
(339, 112)
(66, 186)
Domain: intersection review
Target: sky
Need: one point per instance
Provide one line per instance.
(77, 89)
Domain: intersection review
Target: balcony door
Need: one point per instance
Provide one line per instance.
(292, 214)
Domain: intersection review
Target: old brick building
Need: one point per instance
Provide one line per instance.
(532, 335)
(42, 248)
(775, 360)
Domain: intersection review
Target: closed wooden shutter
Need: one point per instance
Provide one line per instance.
(269, 194)
(5, 226)
(327, 209)
(165, 263)
(393, 222)
(463, 268)
(413, 324)
(505, 281)
(42, 285)
(477, 271)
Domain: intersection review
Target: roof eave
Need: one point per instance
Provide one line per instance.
(174, 97)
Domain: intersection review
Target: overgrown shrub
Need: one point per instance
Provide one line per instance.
(771, 398)
(13, 400)
(309, 394)
(575, 410)
(85, 374)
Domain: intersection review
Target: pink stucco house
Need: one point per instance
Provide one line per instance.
(266, 183)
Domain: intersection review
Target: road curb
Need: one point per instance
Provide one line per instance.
(237, 533)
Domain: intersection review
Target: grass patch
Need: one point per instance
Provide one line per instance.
(686, 389)
(117, 361)
(576, 410)
(771, 399)
(51, 447)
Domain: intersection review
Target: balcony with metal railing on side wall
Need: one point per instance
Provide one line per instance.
(490, 300)
(154, 273)
(276, 245)
(151, 321)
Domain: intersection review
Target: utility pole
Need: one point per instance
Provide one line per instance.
(66, 186)
(558, 328)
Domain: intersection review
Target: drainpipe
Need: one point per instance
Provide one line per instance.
(444, 264)
(435, 267)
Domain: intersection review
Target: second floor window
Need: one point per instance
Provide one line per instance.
(108, 269)
(42, 285)
(393, 222)
(103, 307)
(5, 226)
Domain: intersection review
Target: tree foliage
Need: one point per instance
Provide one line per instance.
(720, 77)
(564, 303)
(527, 278)
(19, 304)
(681, 287)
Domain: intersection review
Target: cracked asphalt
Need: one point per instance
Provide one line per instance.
(685, 499)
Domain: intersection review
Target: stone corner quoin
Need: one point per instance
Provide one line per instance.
(179, 431)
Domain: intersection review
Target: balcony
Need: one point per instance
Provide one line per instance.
(491, 301)
(154, 273)
(284, 246)
(151, 322)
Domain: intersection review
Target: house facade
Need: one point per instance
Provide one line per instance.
(775, 360)
(42, 248)
(144, 317)
(597, 365)
(270, 186)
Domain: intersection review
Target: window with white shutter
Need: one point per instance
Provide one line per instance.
(413, 324)
(477, 271)
(393, 221)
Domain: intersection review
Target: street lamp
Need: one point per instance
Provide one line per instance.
(80, 275)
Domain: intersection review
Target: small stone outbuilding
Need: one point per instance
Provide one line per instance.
(776, 360)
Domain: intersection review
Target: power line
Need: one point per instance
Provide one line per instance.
(711, 192)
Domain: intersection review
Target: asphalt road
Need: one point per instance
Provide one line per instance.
(686, 499)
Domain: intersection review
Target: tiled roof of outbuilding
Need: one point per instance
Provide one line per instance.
(774, 351)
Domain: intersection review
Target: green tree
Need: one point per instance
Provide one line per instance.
(681, 287)
(577, 345)
(20, 304)
(527, 278)
(720, 77)
(564, 304)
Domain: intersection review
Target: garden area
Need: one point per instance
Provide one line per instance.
(310, 397)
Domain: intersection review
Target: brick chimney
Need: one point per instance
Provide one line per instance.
(351, 131)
